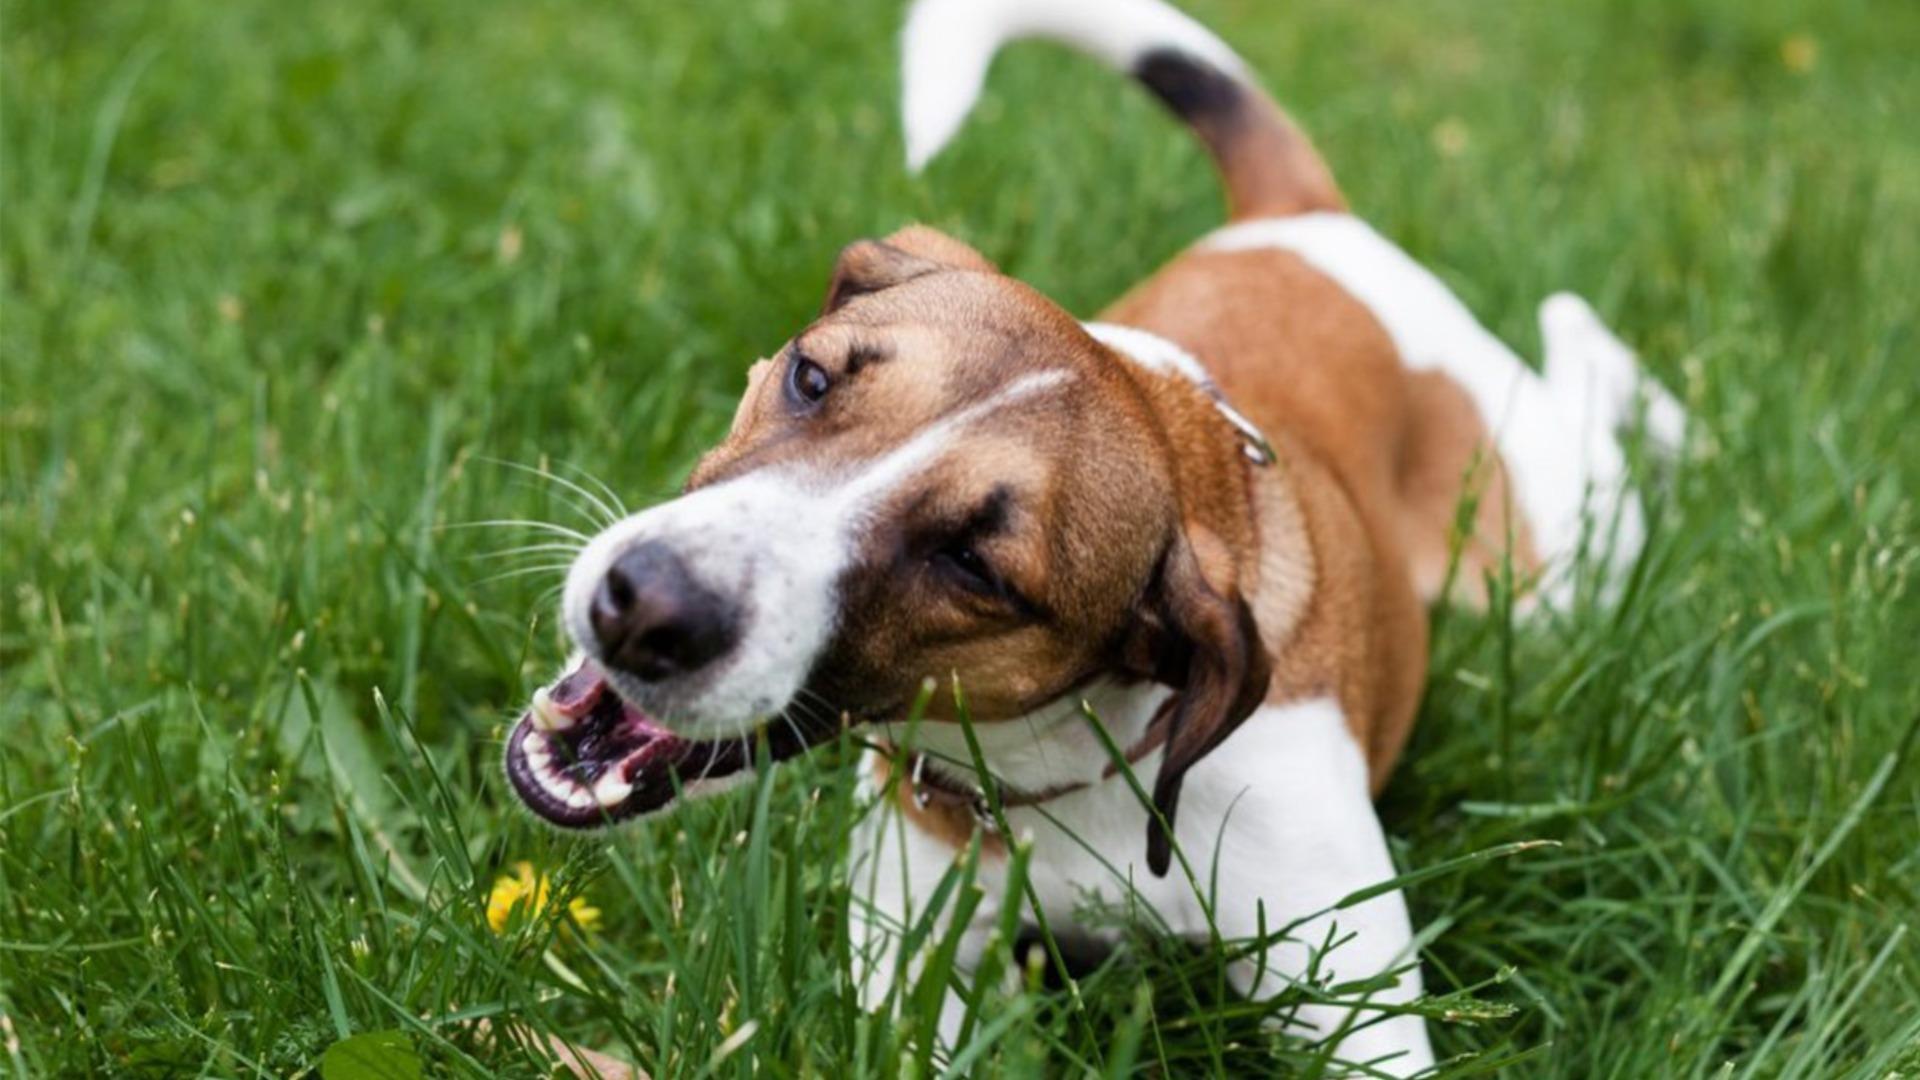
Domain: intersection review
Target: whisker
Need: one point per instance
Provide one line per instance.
(588, 512)
(799, 733)
(611, 495)
(817, 699)
(608, 515)
(803, 716)
(518, 523)
(525, 571)
(530, 549)
(1038, 742)
(707, 769)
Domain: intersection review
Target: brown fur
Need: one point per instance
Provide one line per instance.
(1374, 456)
(1445, 457)
(1273, 169)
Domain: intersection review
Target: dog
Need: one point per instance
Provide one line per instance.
(1213, 519)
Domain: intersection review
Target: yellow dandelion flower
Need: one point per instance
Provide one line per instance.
(526, 887)
(584, 915)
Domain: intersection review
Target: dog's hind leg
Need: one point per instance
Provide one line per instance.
(1586, 363)
(1599, 388)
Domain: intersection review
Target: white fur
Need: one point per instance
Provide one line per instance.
(776, 542)
(1052, 747)
(1556, 434)
(894, 870)
(948, 44)
(1589, 363)
(1280, 812)
(1150, 351)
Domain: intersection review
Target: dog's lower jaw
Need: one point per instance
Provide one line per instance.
(584, 756)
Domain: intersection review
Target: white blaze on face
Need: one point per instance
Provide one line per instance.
(774, 542)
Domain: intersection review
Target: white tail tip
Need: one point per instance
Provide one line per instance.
(947, 46)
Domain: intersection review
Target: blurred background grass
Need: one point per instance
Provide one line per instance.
(284, 284)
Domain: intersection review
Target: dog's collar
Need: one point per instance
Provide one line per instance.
(930, 788)
(1155, 353)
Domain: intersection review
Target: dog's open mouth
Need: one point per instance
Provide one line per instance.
(582, 757)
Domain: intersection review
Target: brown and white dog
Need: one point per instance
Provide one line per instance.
(947, 474)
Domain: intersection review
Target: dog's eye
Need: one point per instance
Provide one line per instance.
(807, 382)
(966, 569)
(966, 566)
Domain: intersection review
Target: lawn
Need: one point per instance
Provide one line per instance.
(298, 296)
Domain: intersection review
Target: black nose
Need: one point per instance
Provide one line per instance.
(654, 621)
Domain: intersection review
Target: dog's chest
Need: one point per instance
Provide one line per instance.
(1289, 788)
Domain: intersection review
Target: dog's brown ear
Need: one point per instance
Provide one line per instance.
(1199, 637)
(930, 243)
(868, 266)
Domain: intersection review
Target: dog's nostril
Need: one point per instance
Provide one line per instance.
(619, 589)
(675, 644)
(652, 620)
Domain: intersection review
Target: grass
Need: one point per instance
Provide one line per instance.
(285, 283)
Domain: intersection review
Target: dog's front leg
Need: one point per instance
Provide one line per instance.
(896, 868)
(1281, 813)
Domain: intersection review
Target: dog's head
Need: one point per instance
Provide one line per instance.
(943, 474)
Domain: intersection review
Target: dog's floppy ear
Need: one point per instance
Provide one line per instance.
(868, 266)
(1200, 637)
(930, 243)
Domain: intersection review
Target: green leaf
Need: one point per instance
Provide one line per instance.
(372, 1055)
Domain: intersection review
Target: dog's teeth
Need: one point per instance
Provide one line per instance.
(612, 789)
(547, 716)
(580, 798)
(539, 757)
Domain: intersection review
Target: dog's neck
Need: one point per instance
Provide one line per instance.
(1243, 502)
(1050, 750)
(1160, 356)
(1218, 454)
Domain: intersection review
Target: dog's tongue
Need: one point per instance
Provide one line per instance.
(579, 690)
(582, 756)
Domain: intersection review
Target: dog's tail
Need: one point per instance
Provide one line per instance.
(1269, 167)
